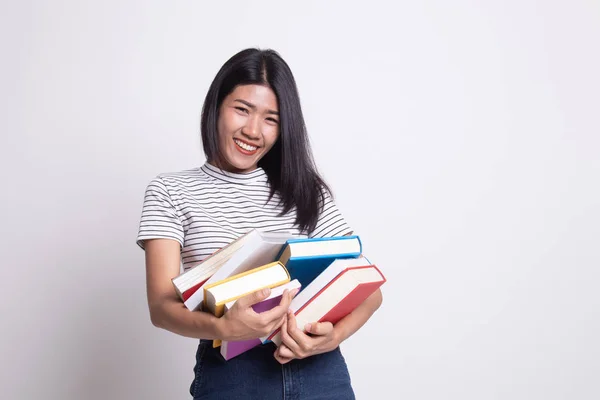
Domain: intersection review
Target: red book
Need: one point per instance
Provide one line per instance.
(335, 293)
(186, 295)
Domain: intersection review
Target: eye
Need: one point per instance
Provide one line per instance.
(273, 120)
(242, 109)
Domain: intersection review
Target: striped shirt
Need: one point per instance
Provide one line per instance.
(204, 209)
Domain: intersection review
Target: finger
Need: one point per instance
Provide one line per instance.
(287, 341)
(281, 360)
(277, 325)
(276, 312)
(253, 298)
(319, 328)
(285, 352)
(299, 337)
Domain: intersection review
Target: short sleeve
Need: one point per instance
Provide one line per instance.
(331, 222)
(159, 218)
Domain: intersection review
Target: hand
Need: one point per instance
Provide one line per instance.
(241, 322)
(297, 344)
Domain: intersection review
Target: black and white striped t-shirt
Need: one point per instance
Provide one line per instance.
(205, 209)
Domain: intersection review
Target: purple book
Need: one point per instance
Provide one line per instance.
(235, 348)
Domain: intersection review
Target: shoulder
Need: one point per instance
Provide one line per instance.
(177, 179)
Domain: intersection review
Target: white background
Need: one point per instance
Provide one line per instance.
(461, 140)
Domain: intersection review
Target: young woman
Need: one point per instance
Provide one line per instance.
(259, 174)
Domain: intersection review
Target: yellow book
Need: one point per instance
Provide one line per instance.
(217, 294)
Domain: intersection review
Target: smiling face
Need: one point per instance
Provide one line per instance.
(248, 127)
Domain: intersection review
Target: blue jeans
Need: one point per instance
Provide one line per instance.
(256, 374)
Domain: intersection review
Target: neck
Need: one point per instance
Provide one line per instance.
(229, 168)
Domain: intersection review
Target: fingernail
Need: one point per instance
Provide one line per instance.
(307, 327)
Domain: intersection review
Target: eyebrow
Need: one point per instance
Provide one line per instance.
(252, 106)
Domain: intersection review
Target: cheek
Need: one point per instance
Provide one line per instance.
(229, 123)
(222, 128)
(271, 136)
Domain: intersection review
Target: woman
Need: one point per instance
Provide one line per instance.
(259, 174)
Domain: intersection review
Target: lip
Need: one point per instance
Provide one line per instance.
(244, 151)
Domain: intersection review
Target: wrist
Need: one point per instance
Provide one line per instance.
(338, 334)
(220, 328)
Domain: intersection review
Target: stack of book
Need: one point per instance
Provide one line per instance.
(333, 275)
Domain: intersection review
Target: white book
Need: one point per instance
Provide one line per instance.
(206, 268)
(259, 248)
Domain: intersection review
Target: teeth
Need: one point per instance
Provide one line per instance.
(245, 146)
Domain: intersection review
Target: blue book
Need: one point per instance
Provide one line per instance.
(305, 259)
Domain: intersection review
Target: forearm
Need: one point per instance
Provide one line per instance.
(173, 316)
(348, 325)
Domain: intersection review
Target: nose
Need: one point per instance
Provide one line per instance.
(252, 128)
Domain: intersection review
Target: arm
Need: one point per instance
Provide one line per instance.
(168, 312)
(166, 309)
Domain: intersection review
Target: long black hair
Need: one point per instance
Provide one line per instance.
(289, 164)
